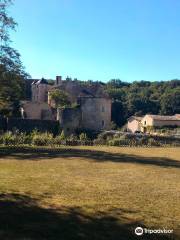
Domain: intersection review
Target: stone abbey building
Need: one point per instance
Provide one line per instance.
(92, 110)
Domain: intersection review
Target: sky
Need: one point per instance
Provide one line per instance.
(99, 39)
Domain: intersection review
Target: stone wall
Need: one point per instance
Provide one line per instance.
(69, 119)
(37, 110)
(96, 113)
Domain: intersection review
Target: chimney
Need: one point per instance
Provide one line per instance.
(58, 80)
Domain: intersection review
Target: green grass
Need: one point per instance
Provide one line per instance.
(90, 193)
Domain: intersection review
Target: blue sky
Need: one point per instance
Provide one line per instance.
(99, 39)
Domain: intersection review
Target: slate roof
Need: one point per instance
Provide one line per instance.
(40, 81)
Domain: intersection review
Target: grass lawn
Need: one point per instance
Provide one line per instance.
(90, 193)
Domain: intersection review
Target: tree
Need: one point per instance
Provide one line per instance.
(170, 102)
(12, 72)
(60, 98)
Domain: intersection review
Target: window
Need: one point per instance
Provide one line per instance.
(103, 109)
(102, 123)
(144, 122)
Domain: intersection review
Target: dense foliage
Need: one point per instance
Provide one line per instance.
(60, 98)
(139, 98)
(12, 72)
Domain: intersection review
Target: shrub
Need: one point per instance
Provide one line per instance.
(72, 137)
(62, 135)
(143, 141)
(153, 142)
(16, 138)
(83, 137)
(119, 141)
(60, 139)
(99, 141)
(42, 139)
(113, 125)
(1, 138)
(22, 138)
(8, 138)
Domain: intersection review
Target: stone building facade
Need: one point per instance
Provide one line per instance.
(92, 111)
(40, 91)
(38, 107)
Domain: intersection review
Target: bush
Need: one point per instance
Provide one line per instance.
(99, 141)
(120, 141)
(62, 135)
(45, 139)
(60, 139)
(17, 138)
(153, 142)
(72, 137)
(143, 141)
(83, 137)
(8, 139)
(42, 139)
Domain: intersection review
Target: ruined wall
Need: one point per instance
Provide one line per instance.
(69, 118)
(96, 113)
(93, 113)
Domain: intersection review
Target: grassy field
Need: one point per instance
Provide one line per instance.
(90, 193)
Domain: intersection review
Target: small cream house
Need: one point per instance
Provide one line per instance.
(159, 121)
(134, 124)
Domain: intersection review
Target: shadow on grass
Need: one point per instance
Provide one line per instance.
(22, 218)
(26, 153)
